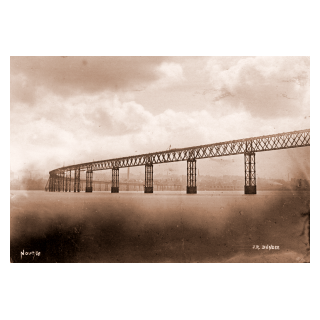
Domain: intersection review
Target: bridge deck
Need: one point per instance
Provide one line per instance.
(285, 140)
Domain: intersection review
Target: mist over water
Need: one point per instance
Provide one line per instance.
(159, 227)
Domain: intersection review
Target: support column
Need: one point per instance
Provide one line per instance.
(56, 182)
(250, 173)
(148, 181)
(191, 176)
(77, 180)
(63, 182)
(51, 183)
(115, 180)
(60, 183)
(68, 181)
(89, 176)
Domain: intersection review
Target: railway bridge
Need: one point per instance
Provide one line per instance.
(60, 179)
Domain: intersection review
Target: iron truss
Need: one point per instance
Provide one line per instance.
(278, 141)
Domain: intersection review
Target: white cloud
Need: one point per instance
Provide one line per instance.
(171, 73)
(266, 86)
(101, 127)
(171, 70)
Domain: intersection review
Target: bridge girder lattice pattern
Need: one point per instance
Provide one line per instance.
(279, 141)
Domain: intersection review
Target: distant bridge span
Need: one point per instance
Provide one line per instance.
(60, 179)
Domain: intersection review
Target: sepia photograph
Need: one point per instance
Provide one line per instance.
(159, 159)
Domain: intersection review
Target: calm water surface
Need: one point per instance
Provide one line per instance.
(210, 226)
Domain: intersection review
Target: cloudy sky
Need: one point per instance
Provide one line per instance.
(67, 110)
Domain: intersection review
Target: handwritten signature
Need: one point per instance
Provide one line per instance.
(30, 253)
(270, 247)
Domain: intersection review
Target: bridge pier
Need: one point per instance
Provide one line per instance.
(76, 180)
(250, 186)
(148, 185)
(63, 181)
(89, 175)
(191, 176)
(68, 181)
(115, 180)
(56, 182)
(51, 183)
(59, 182)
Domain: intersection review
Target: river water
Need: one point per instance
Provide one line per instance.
(168, 226)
